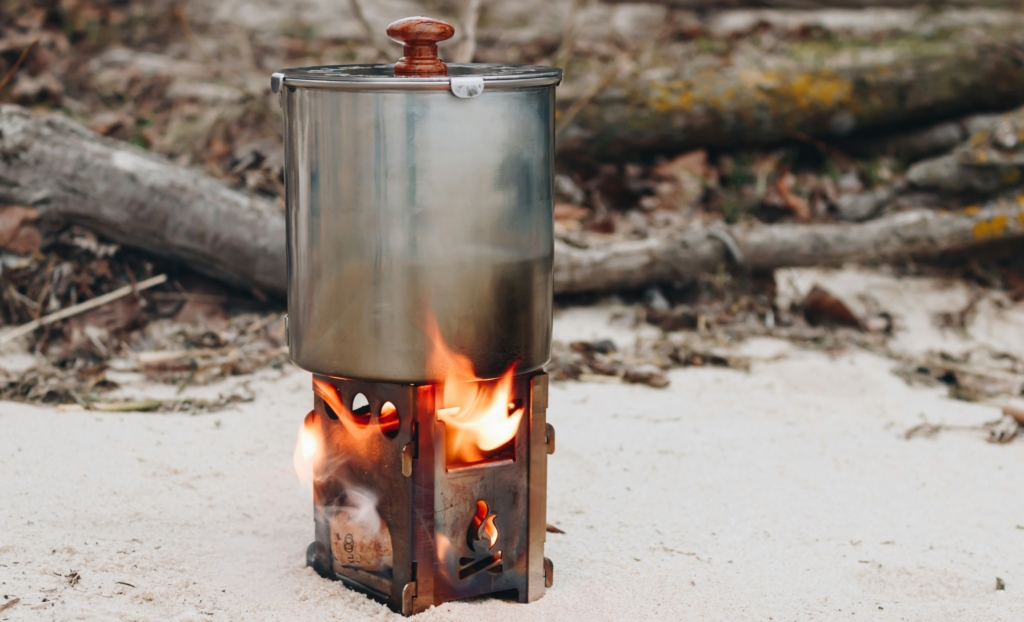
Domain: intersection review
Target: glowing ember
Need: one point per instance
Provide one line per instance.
(479, 415)
(443, 546)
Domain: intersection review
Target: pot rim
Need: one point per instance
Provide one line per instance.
(381, 77)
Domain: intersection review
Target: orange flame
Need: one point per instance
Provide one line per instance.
(479, 415)
(487, 520)
(358, 427)
(308, 450)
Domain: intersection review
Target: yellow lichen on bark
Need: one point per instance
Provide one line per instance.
(990, 228)
(821, 91)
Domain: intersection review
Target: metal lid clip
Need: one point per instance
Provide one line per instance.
(467, 87)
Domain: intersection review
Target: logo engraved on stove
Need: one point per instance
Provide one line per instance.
(481, 537)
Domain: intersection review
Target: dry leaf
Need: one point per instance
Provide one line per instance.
(694, 162)
(822, 308)
(18, 232)
(1016, 413)
(568, 211)
(796, 204)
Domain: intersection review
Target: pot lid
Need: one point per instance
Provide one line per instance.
(420, 68)
(382, 77)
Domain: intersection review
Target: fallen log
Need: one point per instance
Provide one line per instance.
(916, 233)
(72, 175)
(990, 161)
(679, 95)
(703, 5)
(919, 143)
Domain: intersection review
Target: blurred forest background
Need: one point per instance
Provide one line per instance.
(702, 147)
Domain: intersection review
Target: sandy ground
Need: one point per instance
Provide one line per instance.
(785, 493)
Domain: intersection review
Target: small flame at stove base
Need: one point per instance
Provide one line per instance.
(309, 451)
(483, 528)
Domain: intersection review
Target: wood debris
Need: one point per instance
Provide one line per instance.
(10, 603)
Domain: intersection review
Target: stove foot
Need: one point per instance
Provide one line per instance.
(317, 559)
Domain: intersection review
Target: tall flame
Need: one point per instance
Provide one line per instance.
(479, 415)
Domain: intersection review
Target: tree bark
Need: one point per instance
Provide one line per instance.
(139, 199)
(680, 95)
(143, 201)
(700, 5)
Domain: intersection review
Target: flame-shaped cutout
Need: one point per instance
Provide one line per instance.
(491, 530)
(483, 527)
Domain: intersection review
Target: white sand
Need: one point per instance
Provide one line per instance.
(787, 493)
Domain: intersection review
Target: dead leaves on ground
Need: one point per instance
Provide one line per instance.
(19, 233)
(164, 351)
(645, 363)
(999, 431)
(974, 376)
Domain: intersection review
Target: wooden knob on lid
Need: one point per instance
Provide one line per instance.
(420, 36)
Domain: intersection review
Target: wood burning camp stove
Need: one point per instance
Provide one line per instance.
(420, 250)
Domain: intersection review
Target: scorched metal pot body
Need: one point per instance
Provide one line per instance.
(412, 198)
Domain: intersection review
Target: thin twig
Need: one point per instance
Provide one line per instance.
(203, 298)
(384, 50)
(22, 298)
(9, 604)
(621, 66)
(21, 59)
(467, 47)
(931, 429)
(182, 18)
(99, 301)
(568, 38)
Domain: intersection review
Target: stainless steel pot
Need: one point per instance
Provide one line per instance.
(413, 196)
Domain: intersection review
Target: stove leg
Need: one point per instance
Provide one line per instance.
(318, 559)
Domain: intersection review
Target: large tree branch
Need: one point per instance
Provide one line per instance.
(142, 200)
(681, 96)
(762, 248)
(699, 5)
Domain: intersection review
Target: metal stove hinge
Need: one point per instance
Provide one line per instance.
(409, 592)
(411, 451)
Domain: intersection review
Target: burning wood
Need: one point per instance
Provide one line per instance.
(359, 538)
